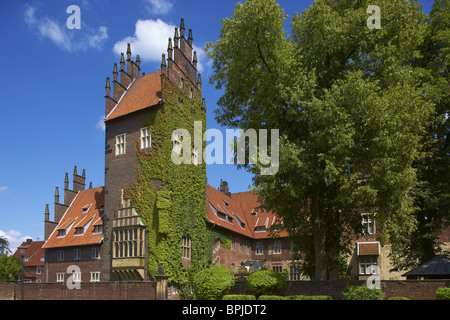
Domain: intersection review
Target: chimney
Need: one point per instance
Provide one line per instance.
(224, 188)
(29, 241)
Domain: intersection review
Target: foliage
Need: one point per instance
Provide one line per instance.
(443, 294)
(266, 282)
(10, 268)
(362, 293)
(4, 245)
(432, 191)
(170, 198)
(294, 297)
(398, 298)
(213, 283)
(239, 297)
(350, 108)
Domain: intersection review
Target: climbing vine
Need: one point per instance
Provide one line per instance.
(170, 198)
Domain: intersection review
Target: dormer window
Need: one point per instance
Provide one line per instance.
(254, 212)
(85, 209)
(61, 233)
(79, 231)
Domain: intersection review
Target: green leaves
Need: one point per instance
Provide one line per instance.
(350, 105)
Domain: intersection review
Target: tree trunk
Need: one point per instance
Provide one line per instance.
(319, 240)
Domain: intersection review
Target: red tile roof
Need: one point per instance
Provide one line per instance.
(74, 217)
(33, 253)
(235, 213)
(142, 93)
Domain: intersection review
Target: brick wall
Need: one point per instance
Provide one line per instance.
(414, 290)
(87, 291)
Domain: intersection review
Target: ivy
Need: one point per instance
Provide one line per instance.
(170, 198)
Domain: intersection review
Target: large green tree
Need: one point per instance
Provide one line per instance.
(350, 109)
(432, 191)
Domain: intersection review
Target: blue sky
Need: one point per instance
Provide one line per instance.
(52, 91)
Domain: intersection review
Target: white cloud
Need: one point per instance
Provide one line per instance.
(101, 123)
(14, 238)
(159, 6)
(61, 36)
(150, 41)
(3, 188)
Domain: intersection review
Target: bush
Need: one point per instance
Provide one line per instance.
(362, 293)
(302, 297)
(239, 297)
(398, 298)
(266, 282)
(213, 283)
(271, 297)
(443, 294)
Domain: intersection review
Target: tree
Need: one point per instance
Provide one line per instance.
(349, 107)
(10, 267)
(4, 246)
(432, 191)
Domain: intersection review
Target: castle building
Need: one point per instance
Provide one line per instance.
(154, 215)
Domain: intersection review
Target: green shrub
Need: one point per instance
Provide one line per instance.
(239, 297)
(398, 298)
(303, 297)
(266, 282)
(271, 297)
(443, 294)
(213, 283)
(362, 293)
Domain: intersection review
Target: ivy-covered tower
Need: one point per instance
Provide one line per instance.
(155, 208)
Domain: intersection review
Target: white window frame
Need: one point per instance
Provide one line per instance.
(146, 138)
(186, 249)
(368, 221)
(60, 277)
(366, 264)
(121, 144)
(76, 277)
(176, 138)
(38, 270)
(95, 276)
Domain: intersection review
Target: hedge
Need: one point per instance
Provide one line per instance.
(239, 297)
(362, 293)
(443, 294)
(294, 297)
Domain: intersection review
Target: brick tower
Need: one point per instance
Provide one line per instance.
(135, 98)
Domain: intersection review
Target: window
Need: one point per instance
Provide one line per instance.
(294, 273)
(233, 239)
(42, 258)
(254, 212)
(85, 209)
(241, 245)
(76, 277)
(121, 144)
(278, 269)
(95, 253)
(98, 229)
(95, 276)
(146, 138)
(186, 248)
(368, 224)
(260, 229)
(79, 231)
(181, 83)
(61, 233)
(60, 255)
(247, 247)
(38, 270)
(128, 243)
(259, 247)
(60, 277)
(77, 254)
(276, 247)
(368, 264)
